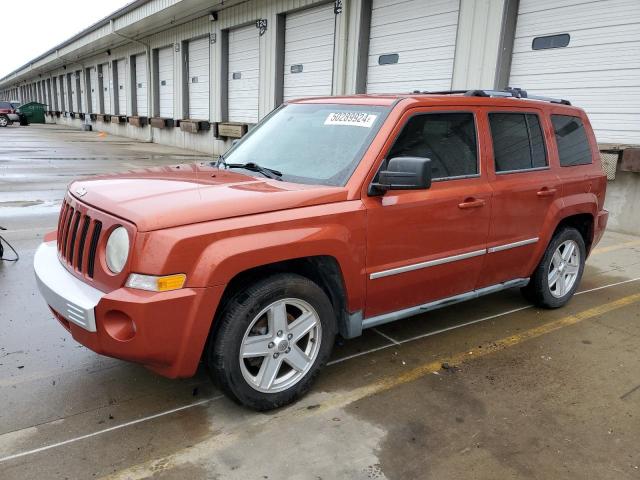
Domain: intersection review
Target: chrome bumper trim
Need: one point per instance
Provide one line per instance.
(67, 295)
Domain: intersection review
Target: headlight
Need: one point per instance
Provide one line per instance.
(154, 283)
(117, 249)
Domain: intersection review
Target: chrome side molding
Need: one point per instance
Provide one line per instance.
(453, 258)
(430, 263)
(507, 246)
(411, 311)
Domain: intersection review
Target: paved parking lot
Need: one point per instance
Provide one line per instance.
(488, 389)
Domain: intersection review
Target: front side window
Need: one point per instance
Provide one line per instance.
(573, 145)
(518, 143)
(448, 139)
(311, 143)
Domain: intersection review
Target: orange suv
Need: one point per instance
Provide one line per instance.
(332, 215)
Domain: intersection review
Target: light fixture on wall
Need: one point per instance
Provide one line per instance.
(108, 51)
(213, 16)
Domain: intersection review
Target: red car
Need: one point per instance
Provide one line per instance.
(333, 215)
(9, 113)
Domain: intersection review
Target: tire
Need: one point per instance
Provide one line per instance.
(557, 276)
(4, 121)
(268, 311)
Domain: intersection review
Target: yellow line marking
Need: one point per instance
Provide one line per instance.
(617, 246)
(203, 451)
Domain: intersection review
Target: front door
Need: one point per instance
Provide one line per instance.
(425, 245)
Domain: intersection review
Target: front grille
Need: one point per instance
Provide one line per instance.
(74, 228)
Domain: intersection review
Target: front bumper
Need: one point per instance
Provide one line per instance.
(14, 117)
(165, 331)
(68, 296)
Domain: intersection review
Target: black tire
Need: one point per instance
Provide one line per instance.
(538, 290)
(223, 351)
(4, 121)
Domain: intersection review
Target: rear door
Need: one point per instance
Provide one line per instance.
(526, 189)
(425, 245)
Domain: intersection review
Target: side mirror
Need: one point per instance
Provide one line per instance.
(403, 173)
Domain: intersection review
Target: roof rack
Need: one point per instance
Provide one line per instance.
(509, 92)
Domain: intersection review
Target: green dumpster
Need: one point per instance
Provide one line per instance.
(34, 111)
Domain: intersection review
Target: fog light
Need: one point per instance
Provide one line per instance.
(154, 283)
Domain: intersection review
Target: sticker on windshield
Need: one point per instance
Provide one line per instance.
(351, 119)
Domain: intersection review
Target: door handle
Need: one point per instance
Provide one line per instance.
(472, 203)
(546, 192)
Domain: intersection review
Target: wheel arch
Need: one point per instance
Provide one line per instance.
(323, 270)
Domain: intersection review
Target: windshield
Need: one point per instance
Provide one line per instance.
(311, 143)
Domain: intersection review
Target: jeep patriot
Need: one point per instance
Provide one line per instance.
(331, 216)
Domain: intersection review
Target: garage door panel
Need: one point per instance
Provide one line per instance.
(405, 41)
(93, 75)
(422, 34)
(600, 68)
(198, 78)
(420, 26)
(579, 80)
(122, 86)
(165, 81)
(106, 88)
(244, 65)
(308, 52)
(399, 11)
(142, 86)
(568, 60)
(591, 37)
(571, 16)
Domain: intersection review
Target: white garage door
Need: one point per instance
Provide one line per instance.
(142, 88)
(121, 68)
(198, 79)
(244, 73)
(308, 52)
(599, 68)
(412, 45)
(165, 80)
(79, 91)
(106, 88)
(71, 88)
(94, 89)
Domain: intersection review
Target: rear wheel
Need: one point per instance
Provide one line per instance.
(558, 275)
(272, 340)
(4, 121)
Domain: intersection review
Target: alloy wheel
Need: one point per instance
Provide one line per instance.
(564, 268)
(281, 345)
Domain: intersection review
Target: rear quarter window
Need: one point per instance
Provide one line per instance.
(573, 145)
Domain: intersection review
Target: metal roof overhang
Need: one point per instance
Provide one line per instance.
(135, 21)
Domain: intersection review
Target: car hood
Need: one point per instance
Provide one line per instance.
(163, 197)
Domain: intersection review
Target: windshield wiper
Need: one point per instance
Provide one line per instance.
(254, 167)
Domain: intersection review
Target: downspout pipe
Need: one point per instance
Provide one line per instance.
(150, 92)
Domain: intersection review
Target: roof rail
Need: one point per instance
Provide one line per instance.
(509, 92)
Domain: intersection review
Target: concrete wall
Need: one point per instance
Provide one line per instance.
(623, 202)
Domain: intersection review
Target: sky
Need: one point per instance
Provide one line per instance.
(31, 27)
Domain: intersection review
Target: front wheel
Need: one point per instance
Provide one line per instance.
(272, 340)
(558, 275)
(4, 121)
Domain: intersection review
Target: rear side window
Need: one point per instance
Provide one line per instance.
(573, 146)
(448, 139)
(518, 143)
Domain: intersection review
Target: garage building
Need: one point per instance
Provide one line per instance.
(198, 74)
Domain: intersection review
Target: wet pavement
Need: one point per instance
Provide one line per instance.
(488, 389)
